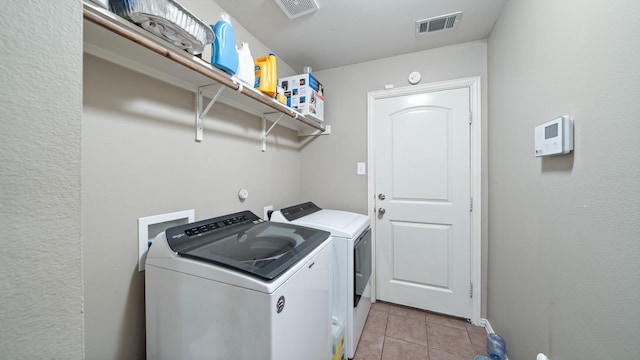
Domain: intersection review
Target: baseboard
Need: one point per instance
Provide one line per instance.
(487, 326)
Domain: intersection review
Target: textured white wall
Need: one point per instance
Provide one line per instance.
(41, 309)
(564, 234)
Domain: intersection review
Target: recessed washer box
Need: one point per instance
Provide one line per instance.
(150, 226)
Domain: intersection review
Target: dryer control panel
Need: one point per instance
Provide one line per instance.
(297, 211)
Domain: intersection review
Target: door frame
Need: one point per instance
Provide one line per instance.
(475, 96)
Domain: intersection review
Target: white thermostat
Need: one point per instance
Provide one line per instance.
(554, 137)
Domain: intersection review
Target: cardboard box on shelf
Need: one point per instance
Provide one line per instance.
(305, 94)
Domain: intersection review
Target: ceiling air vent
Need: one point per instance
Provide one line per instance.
(295, 8)
(439, 23)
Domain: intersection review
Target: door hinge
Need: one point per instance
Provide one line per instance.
(471, 290)
(470, 117)
(470, 204)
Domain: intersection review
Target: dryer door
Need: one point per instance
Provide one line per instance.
(362, 264)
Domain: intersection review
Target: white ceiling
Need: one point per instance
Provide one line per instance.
(344, 32)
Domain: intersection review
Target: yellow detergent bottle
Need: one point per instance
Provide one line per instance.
(266, 75)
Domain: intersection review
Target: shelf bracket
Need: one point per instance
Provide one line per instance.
(200, 112)
(327, 131)
(266, 132)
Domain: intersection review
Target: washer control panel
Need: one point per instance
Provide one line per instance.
(180, 237)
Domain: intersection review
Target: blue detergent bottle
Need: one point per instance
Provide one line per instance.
(224, 55)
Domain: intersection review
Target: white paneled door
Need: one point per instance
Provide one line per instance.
(423, 199)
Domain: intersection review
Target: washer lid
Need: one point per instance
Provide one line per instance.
(338, 223)
(261, 249)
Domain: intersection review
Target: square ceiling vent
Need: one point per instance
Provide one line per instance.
(295, 8)
(438, 23)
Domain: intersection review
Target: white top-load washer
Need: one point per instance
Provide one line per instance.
(237, 287)
(352, 241)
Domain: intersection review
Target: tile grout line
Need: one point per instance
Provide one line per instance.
(386, 326)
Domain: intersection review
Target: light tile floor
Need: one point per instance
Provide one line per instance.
(394, 332)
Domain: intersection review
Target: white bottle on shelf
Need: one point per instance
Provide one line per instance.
(245, 72)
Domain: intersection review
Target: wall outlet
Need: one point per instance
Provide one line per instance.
(265, 214)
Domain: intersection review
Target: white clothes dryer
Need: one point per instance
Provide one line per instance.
(237, 287)
(351, 234)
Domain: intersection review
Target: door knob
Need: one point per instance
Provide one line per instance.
(381, 196)
(381, 211)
